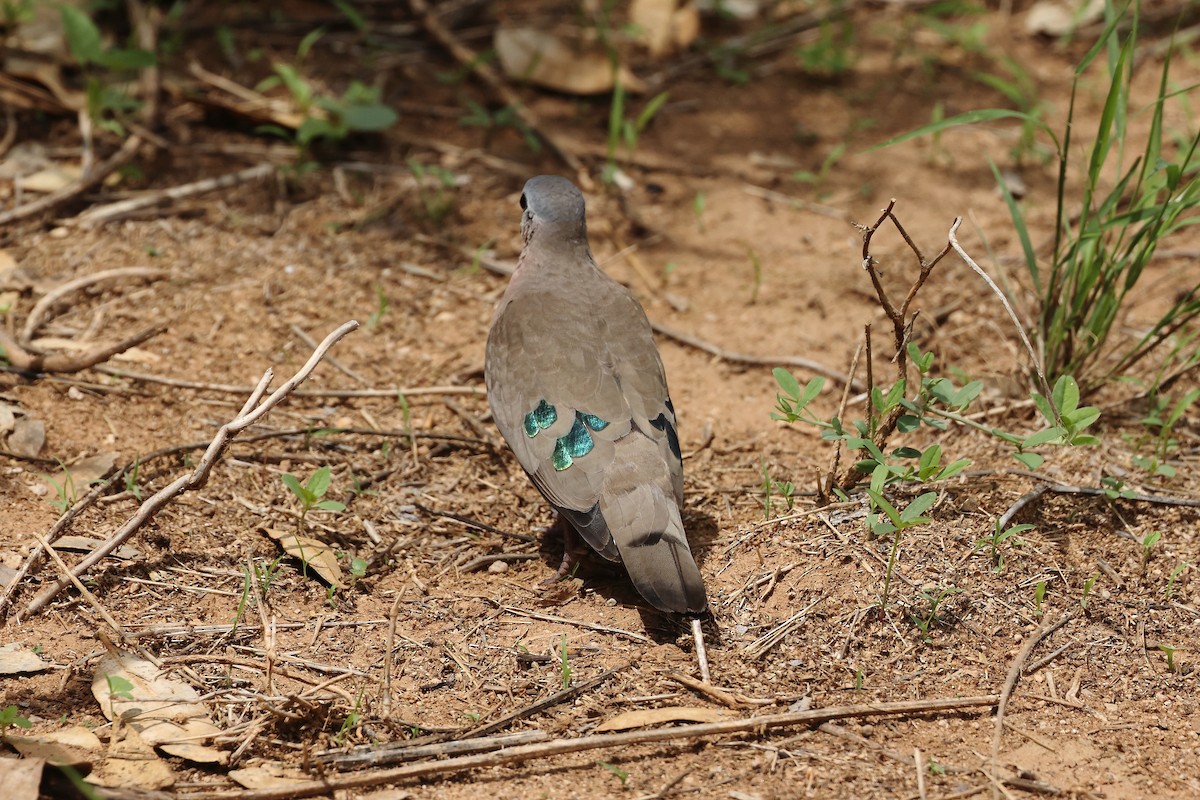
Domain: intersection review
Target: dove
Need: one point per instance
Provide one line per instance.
(577, 389)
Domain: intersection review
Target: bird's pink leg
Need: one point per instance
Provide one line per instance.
(574, 548)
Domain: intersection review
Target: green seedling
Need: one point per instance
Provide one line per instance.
(998, 538)
(757, 272)
(621, 774)
(131, 480)
(435, 185)
(893, 522)
(1169, 589)
(358, 110)
(382, 304)
(65, 492)
(119, 688)
(769, 486)
(351, 722)
(1039, 597)
(827, 164)
(699, 203)
(10, 716)
(1088, 585)
(565, 663)
(311, 492)
(506, 117)
(1148, 542)
(1169, 652)
(623, 131)
(933, 599)
(106, 70)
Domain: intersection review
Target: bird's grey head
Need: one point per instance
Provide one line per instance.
(553, 205)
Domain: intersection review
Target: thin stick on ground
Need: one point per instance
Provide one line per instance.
(100, 215)
(252, 411)
(77, 187)
(1014, 673)
(1034, 361)
(701, 652)
(23, 361)
(681, 733)
(42, 307)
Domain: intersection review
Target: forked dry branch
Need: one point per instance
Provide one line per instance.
(252, 411)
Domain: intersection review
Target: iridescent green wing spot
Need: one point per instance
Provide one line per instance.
(540, 418)
(578, 441)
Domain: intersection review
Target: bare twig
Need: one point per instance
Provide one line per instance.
(899, 318)
(541, 705)
(183, 383)
(512, 755)
(758, 361)
(1010, 682)
(25, 362)
(77, 187)
(250, 413)
(99, 215)
(42, 307)
(701, 652)
(1033, 356)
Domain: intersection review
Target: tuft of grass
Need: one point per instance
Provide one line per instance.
(1134, 196)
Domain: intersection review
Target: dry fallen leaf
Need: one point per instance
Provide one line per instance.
(91, 468)
(166, 712)
(21, 777)
(657, 716)
(314, 553)
(51, 179)
(661, 26)
(15, 659)
(132, 763)
(267, 776)
(548, 60)
(74, 747)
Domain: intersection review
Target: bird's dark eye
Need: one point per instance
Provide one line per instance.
(523, 203)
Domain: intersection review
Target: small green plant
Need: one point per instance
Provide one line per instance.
(893, 522)
(1088, 585)
(382, 304)
(621, 774)
(830, 55)
(933, 597)
(265, 574)
(1162, 444)
(106, 70)
(771, 486)
(435, 185)
(311, 492)
(65, 492)
(1169, 589)
(479, 117)
(564, 663)
(1170, 652)
(624, 131)
(1019, 88)
(351, 723)
(358, 110)
(827, 164)
(131, 480)
(1039, 597)
(699, 203)
(1148, 542)
(119, 688)
(10, 716)
(358, 569)
(998, 538)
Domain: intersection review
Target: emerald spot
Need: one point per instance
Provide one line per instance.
(578, 441)
(540, 418)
